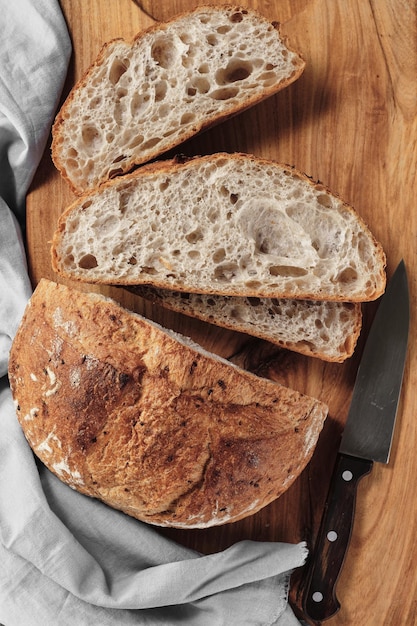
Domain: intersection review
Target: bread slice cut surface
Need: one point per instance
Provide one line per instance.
(139, 99)
(149, 422)
(223, 224)
(325, 330)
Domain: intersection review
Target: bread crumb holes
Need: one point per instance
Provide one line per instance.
(88, 262)
(117, 69)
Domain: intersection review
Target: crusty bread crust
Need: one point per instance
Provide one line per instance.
(67, 146)
(124, 412)
(279, 233)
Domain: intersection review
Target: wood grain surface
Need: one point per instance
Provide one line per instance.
(351, 122)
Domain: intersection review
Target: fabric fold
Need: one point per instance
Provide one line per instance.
(15, 287)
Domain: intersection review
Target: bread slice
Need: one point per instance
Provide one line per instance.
(149, 422)
(223, 224)
(175, 79)
(326, 330)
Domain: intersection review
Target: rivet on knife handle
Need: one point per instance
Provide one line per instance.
(320, 601)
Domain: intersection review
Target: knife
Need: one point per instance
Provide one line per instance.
(367, 437)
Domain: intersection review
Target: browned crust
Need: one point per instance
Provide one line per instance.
(170, 167)
(123, 412)
(199, 126)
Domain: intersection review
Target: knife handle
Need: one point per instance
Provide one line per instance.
(319, 598)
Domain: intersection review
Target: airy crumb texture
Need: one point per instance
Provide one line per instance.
(326, 330)
(147, 421)
(225, 224)
(137, 100)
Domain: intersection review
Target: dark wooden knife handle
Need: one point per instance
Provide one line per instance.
(319, 598)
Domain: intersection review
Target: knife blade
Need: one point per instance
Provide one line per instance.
(367, 437)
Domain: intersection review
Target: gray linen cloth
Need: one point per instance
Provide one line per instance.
(66, 559)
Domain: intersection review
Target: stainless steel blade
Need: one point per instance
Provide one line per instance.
(371, 419)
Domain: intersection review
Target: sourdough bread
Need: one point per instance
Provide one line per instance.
(325, 330)
(139, 99)
(222, 224)
(149, 422)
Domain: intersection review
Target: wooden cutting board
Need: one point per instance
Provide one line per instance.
(351, 122)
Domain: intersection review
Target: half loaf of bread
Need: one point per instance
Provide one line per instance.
(147, 421)
(224, 224)
(326, 330)
(175, 79)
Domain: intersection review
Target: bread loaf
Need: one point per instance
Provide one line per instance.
(148, 422)
(326, 330)
(223, 224)
(139, 99)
